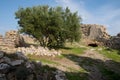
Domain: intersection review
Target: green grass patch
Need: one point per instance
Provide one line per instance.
(73, 50)
(112, 54)
(43, 60)
(76, 76)
(78, 50)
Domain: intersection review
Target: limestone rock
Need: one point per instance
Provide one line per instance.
(21, 55)
(12, 39)
(11, 68)
(113, 42)
(94, 31)
(1, 54)
(94, 34)
(6, 60)
(2, 75)
(4, 68)
(60, 75)
(38, 51)
(17, 62)
(118, 35)
(29, 65)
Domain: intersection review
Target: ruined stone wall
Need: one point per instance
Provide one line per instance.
(11, 39)
(94, 34)
(97, 34)
(94, 31)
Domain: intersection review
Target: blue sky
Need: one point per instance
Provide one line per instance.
(105, 12)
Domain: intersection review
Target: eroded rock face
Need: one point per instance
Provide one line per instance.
(113, 42)
(94, 31)
(94, 34)
(97, 34)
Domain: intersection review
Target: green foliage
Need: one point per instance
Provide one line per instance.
(51, 26)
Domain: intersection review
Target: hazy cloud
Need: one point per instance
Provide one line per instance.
(107, 15)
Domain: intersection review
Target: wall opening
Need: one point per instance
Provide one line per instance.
(93, 45)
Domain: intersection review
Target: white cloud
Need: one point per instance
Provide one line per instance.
(76, 7)
(106, 14)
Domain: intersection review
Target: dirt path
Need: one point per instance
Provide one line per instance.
(94, 55)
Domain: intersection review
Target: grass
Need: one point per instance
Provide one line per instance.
(76, 76)
(43, 60)
(78, 50)
(73, 50)
(112, 54)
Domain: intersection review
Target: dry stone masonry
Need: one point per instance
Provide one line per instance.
(94, 34)
(94, 31)
(11, 40)
(20, 68)
(97, 34)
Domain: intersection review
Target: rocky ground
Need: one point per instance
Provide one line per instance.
(74, 63)
(17, 66)
(88, 64)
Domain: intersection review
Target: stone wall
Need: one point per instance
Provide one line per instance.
(97, 34)
(94, 34)
(11, 39)
(94, 31)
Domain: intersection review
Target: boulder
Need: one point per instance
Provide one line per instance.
(6, 60)
(17, 62)
(1, 54)
(29, 65)
(21, 55)
(113, 42)
(118, 35)
(60, 75)
(4, 68)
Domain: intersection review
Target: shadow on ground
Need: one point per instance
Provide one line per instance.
(96, 69)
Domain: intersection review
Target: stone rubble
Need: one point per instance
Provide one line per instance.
(60, 75)
(113, 42)
(1, 54)
(39, 51)
(20, 68)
